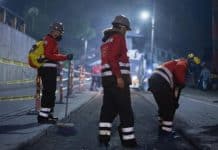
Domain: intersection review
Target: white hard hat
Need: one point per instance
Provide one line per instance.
(122, 20)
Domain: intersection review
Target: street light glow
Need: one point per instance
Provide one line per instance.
(145, 15)
(137, 31)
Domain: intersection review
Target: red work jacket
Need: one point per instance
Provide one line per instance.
(52, 50)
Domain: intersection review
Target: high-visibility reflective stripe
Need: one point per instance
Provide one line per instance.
(164, 76)
(168, 73)
(128, 137)
(124, 64)
(104, 132)
(43, 114)
(105, 124)
(129, 129)
(49, 65)
(167, 123)
(125, 71)
(45, 109)
(167, 129)
(109, 73)
(120, 64)
(105, 66)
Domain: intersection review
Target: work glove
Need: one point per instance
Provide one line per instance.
(120, 82)
(177, 92)
(176, 104)
(70, 56)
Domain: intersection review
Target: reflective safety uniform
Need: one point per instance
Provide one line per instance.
(166, 83)
(48, 74)
(116, 101)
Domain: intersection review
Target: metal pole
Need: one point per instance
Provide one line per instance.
(85, 48)
(61, 84)
(152, 33)
(71, 77)
(68, 88)
(5, 15)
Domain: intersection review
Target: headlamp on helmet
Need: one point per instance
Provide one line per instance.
(57, 26)
(196, 60)
(191, 55)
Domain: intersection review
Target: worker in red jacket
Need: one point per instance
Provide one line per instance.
(166, 83)
(115, 82)
(48, 72)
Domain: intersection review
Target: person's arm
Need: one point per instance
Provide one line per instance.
(50, 48)
(180, 74)
(114, 56)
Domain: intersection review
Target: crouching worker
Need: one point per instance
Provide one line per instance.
(166, 83)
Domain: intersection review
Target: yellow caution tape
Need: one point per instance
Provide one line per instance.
(13, 62)
(26, 97)
(17, 63)
(17, 81)
(12, 98)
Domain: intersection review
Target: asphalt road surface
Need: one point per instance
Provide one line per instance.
(83, 136)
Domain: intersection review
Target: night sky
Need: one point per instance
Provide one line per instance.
(180, 24)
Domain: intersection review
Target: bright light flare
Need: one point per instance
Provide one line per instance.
(144, 15)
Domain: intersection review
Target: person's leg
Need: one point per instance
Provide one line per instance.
(48, 76)
(168, 108)
(92, 83)
(95, 85)
(164, 97)
(126, 128)
(107, 115)
(155, 87)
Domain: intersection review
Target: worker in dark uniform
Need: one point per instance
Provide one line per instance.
(48, 72)
(166, 83)
(115, 82)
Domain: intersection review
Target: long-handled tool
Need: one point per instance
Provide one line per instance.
(63, 127)
(68, 89)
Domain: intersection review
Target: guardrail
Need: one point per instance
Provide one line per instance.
(10, 18)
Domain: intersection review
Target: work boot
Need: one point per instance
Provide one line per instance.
(52, 117)
(127, 143)
(175, 134)
(168, 136)
(46, 120)
(104, 140)
(130, 144)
